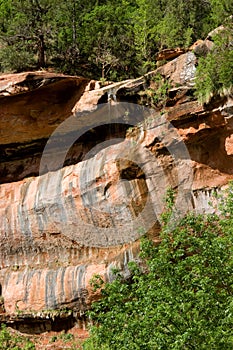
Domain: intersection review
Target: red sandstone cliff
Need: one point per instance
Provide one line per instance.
(58, 227)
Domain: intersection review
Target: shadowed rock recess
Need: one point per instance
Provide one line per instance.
(77, 205)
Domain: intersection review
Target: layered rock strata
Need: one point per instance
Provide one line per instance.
(70, 222)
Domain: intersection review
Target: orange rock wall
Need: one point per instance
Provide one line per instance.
(60, 228)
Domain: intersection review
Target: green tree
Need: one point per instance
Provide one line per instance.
(184, 22)
(101, 38)
(220, 11)
(146, 18)
(160, 24)
(68, 43)
(214, 72)
(26, 33)
(179, 297)
(108, 38)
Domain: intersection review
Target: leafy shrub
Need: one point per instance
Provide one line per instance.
(53, 339)
(66, 336)
(14, 342)
(15, 59)
(214, 73)
(185, 298)
(157, 94)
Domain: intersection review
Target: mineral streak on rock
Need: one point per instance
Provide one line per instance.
(60, 228)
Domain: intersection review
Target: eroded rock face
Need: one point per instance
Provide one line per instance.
(35, 289)
(60, 228)
(168, 54)
(32, 105)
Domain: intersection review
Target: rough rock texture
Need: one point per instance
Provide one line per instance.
(32, 105)
(168, 54)
(73, 221)
(181, 70)
(202, 47)
(36, 103)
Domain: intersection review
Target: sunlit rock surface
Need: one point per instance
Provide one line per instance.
(80, 208)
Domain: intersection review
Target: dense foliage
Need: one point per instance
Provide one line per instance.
(15, 342)
(215, 71)
(101, 38)
(181, 294)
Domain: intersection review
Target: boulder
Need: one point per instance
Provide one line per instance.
(202, 47)
(181, 70)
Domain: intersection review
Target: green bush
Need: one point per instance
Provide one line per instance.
(14, 342)
(66, 336)
(179, 297)
(214, 73)
(15, 59)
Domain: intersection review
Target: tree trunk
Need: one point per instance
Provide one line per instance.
(41, 52)
(103, 71)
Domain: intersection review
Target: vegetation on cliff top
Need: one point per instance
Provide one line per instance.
(181, 294)
(114, 39)
(215, 71)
